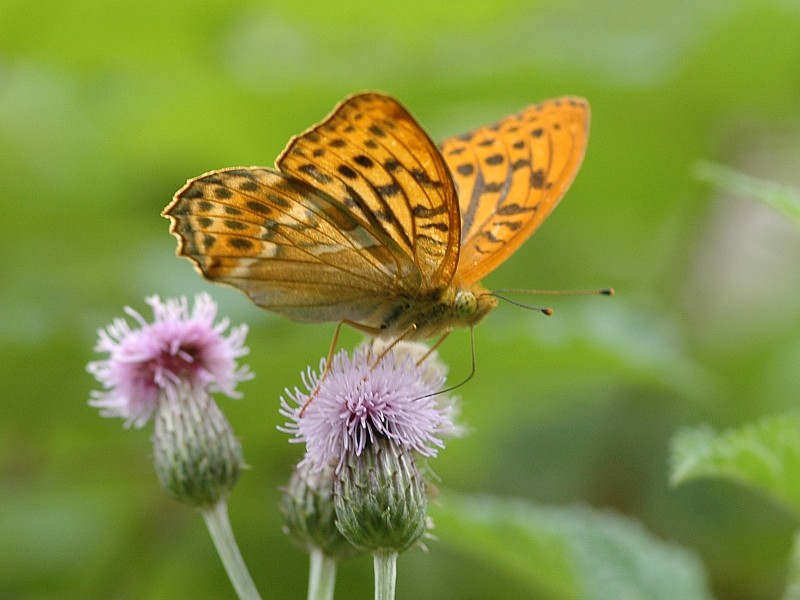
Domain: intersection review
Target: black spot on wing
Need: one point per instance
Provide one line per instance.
(196, 191)
(258, 207)
(466, 169)
(279, 201)
(537, 179)
(438, 226)
(312, 170)
(235, 225)
(520, 163)
(422, 178)
(425, 212)
(240, 243)
(347, 172)
(390, 189)
(363, 161)
(514, 209)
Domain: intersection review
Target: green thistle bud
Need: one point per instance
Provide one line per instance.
(380, 498)
(197, 457)
(309, 514)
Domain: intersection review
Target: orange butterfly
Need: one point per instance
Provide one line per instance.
(364, 221)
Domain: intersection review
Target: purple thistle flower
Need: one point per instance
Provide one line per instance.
(179, 349)
(359, 401)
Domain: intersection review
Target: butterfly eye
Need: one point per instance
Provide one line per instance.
(466, 303)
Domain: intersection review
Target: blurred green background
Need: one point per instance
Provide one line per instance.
(107, 108)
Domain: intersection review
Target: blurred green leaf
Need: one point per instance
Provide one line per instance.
(782, 198)
(792, 591)
(573, 552)
(764, 455)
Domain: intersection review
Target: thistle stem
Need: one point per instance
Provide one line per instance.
(385, 565)
(219, 526)
(321, 576)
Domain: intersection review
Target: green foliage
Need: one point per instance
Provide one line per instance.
(568, 553)
(764, 455)
(781, 198)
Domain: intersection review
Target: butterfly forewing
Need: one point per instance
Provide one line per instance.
(510, 176)
(372, 157)
(290, 248)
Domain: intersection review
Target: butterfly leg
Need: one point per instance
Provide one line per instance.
(397, 340)
(327, 368)
(433, 348)
(332, 350)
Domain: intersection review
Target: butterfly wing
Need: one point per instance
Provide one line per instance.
(510, 176)
(361, 211)
(372, 157)
(286, 246)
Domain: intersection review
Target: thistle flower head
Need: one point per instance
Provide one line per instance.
(366, 397)
(309, 513)
(151, 361)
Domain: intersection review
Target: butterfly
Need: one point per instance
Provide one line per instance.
(365, 221)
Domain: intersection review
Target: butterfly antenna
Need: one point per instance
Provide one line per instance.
(545, 310)
(597, 292)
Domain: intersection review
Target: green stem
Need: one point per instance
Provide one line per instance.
(219, 526)
(321, 576)
(385, 565)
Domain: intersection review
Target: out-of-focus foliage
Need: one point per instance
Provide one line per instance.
(570, 552)
(107, 108)
(782, 198)
(764, 455)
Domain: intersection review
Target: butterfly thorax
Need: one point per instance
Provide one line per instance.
(436, 313)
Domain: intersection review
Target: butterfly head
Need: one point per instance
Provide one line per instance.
(472, 305)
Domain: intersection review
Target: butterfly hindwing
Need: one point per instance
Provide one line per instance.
(510, 176)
